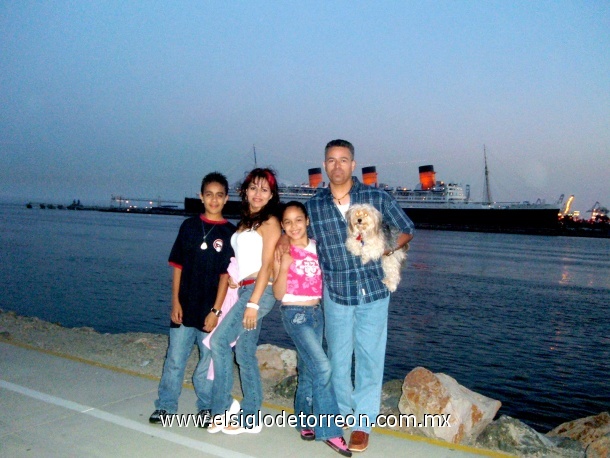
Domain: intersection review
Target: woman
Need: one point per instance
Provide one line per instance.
(254, 244)
(298, 284)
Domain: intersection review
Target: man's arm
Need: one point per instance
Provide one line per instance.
(396, 216)
(402, 241)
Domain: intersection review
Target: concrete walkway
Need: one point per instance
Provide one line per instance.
(56, 406)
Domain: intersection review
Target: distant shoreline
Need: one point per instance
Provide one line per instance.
(569, 229)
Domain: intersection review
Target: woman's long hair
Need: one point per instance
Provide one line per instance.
(254, 220)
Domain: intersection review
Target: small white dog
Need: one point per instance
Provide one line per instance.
(368, 238)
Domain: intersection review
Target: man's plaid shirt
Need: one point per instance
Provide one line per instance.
(348, 281)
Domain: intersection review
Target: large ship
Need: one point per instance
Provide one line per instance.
(438, 205)
(434, 204)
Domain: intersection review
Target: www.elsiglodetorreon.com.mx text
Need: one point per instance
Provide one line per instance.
(285, 419)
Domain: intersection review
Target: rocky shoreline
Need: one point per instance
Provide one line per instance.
(421, 391)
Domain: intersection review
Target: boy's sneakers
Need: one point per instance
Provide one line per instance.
(204, 418)
(218, 424)
(156, 416)
(338, 445)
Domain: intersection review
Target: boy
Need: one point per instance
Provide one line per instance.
(200, 257)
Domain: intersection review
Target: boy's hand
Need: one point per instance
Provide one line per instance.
(232, 283)
(176, 315)
(210, 322)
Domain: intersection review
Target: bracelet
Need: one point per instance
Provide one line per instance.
(252, 305)
(216, 312)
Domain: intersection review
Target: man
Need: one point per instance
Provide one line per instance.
(355, 299)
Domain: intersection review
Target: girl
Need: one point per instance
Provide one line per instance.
(298, 284)
(254, 244)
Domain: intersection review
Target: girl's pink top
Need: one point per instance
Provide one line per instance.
(304, 274)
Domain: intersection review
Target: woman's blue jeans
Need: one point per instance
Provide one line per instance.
(181, 341)
(230, 329)
(315, 394)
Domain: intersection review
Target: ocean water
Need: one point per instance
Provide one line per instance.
(522, 319)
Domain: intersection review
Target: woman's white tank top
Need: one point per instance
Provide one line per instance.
(248, 248)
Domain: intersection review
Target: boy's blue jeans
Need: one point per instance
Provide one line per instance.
(181, 341)
(315, 394)
(230, 329)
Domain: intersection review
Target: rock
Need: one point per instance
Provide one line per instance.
(390, 397)
(512, 436)
(276, 363)
(592, 432)
(287, 387)
(599, 448)
(433, 394)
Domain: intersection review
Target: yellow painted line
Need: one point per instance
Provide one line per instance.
(444, 444)
(389, 432)
(78, 359)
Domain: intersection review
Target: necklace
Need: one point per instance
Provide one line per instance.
(338, 199)
(204, 244)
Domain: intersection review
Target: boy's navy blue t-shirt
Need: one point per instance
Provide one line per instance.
(201, 268)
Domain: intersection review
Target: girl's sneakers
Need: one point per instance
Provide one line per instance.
(338, 445)
(234, 430)
(308, 434)
(217, 424)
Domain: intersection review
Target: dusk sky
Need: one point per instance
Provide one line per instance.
(142, 98)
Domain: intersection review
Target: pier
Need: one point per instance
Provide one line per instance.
(130, 202)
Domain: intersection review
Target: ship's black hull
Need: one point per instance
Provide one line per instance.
(511, 220)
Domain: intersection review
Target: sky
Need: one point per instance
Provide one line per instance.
(143, 98)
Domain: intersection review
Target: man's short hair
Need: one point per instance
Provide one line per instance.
(340, 143)
(215, 177)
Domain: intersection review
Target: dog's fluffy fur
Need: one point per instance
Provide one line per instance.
(368, 238)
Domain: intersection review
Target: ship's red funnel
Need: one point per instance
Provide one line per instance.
(315, 177)
(369, 176)
(427, 177)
